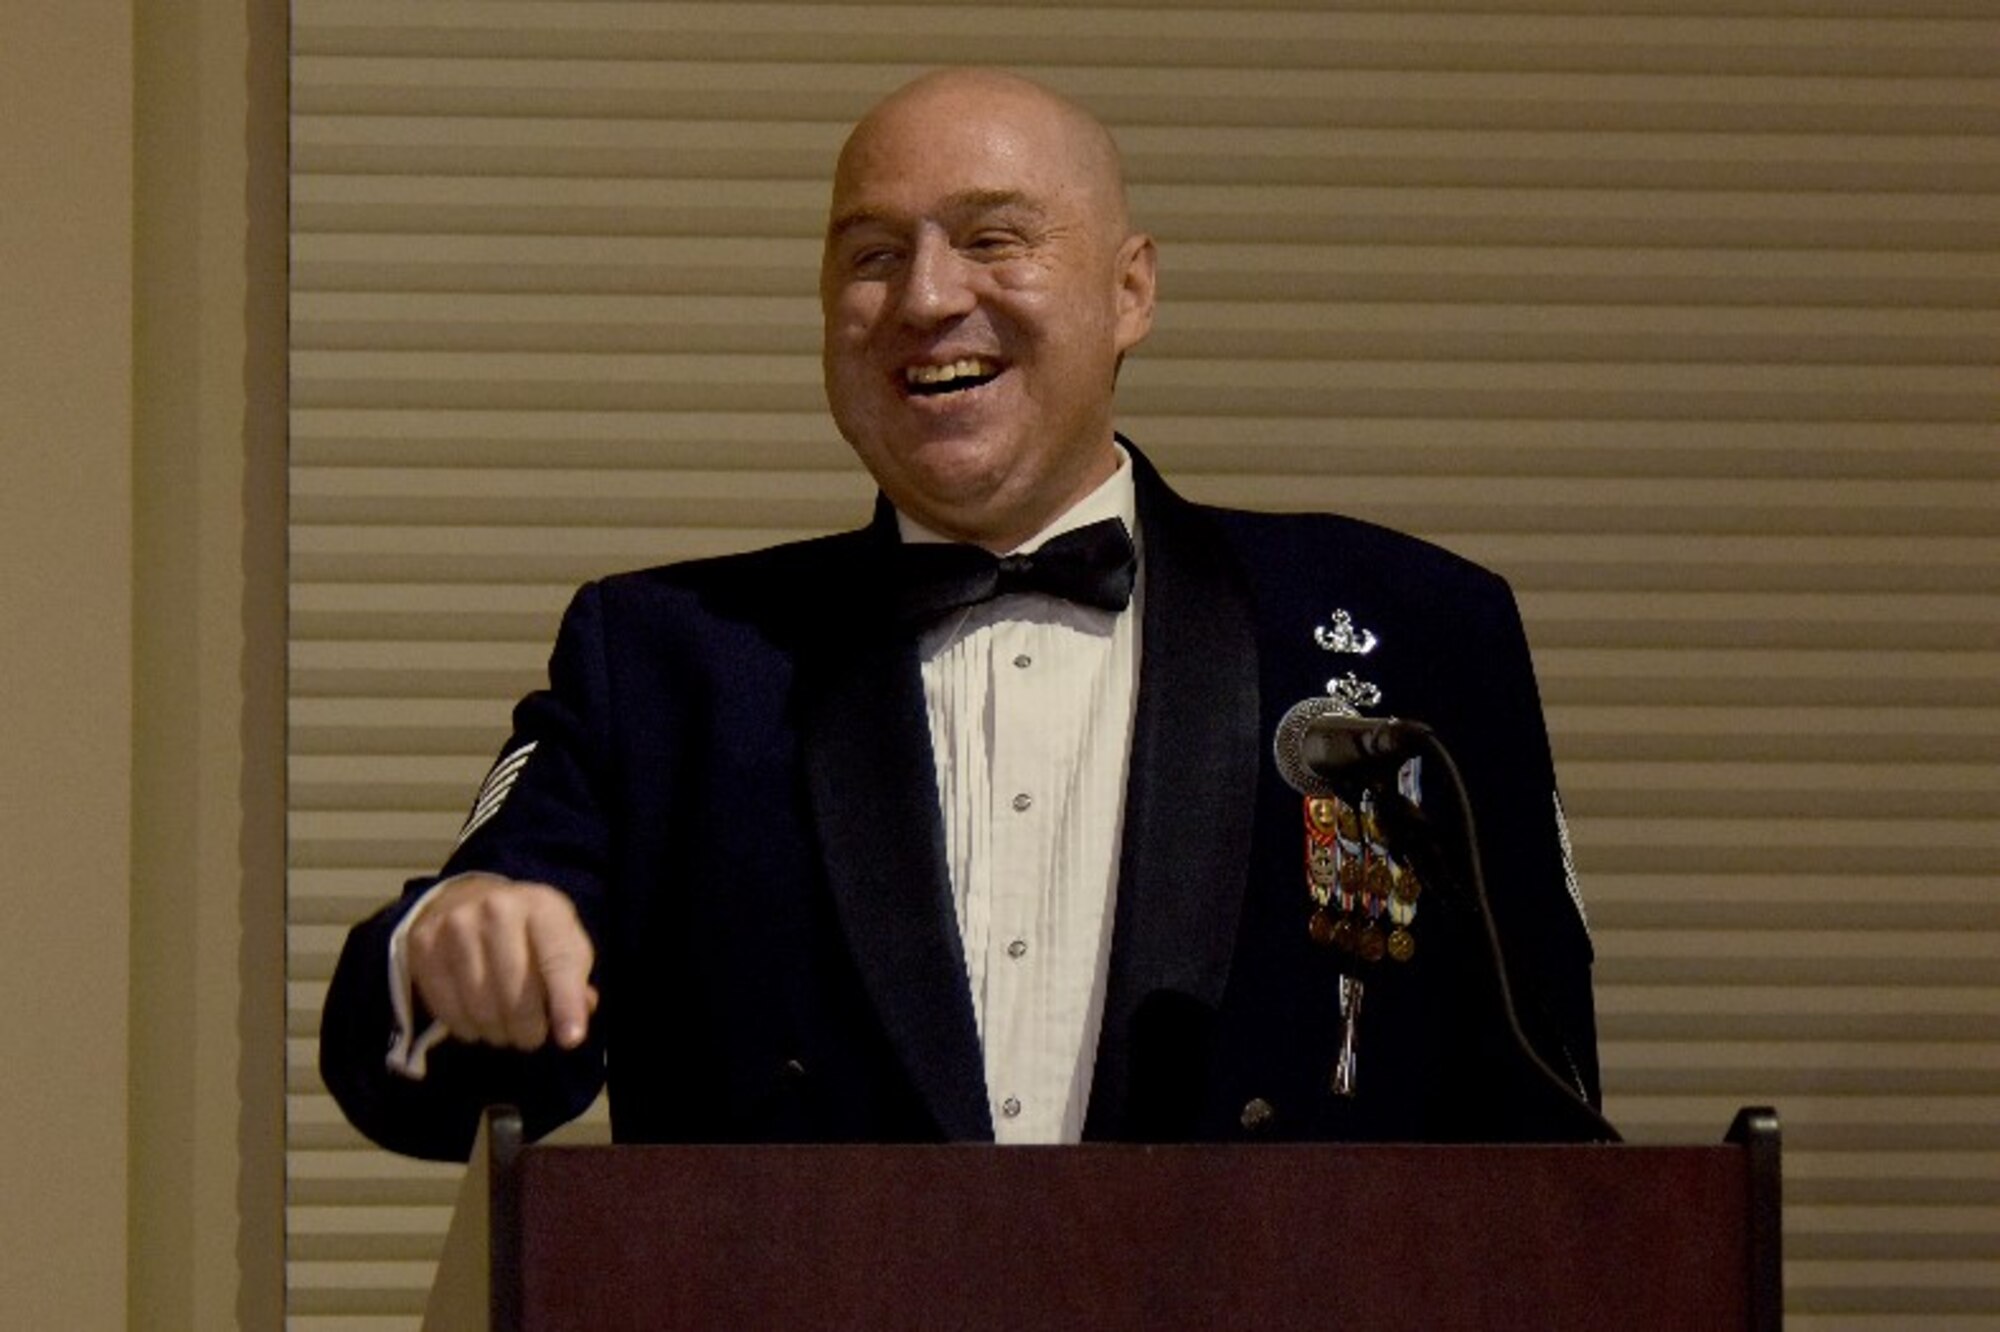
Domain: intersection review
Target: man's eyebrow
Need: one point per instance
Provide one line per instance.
(854, 221)
(953, 207)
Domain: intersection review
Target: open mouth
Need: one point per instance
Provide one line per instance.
(967, 372)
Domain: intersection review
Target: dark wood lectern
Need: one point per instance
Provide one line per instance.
(1110, 1236)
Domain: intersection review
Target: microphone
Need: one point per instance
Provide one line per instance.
(1323, 749)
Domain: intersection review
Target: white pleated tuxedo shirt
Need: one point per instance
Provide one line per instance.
(1031, 700)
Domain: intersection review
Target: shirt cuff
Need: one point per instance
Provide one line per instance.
(409, 1049)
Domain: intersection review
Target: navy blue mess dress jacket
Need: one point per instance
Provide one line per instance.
(731, 774)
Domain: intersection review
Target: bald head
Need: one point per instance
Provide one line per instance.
(1070, 136)
(980, 283)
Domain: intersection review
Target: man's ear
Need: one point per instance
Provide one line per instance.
(1138, 280)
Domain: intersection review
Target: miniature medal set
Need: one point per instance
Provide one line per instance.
(1364, 898)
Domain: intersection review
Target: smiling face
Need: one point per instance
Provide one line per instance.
(979, 286)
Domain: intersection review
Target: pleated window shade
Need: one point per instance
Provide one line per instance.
(1685, 317)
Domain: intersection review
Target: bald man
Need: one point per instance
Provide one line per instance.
(964, 825)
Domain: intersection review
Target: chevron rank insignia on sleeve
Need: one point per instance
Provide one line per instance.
(494, 790)
(1569, 866)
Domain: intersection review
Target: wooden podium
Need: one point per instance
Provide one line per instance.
(1114, 1236)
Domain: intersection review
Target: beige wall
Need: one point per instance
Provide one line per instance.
(143, 668)
(65, 660)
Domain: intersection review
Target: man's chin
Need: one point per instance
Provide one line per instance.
(966, 503)
(954, 468)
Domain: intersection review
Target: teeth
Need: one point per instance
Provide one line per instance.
(966, 367)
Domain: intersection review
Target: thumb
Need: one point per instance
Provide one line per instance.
(563, 957)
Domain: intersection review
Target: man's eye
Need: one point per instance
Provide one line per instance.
(873, 259)
(993, 242)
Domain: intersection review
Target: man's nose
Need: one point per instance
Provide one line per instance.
(936, 283)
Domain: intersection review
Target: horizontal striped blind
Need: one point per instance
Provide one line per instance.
(1684, 317)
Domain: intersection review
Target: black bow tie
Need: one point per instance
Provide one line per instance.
(1094, 565)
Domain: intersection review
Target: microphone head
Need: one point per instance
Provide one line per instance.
(1323, 749)
(1288, 746)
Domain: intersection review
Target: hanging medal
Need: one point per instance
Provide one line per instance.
(1345, 1062)
(1322, 868)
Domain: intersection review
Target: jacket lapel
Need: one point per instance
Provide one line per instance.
(1189, 805)
(873, 791)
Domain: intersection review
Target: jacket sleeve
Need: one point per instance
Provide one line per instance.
(541, 816)
(1531, 884)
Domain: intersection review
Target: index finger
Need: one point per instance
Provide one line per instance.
(562, 957)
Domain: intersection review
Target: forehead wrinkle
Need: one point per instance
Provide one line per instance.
(965, 203)
(953, 208)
